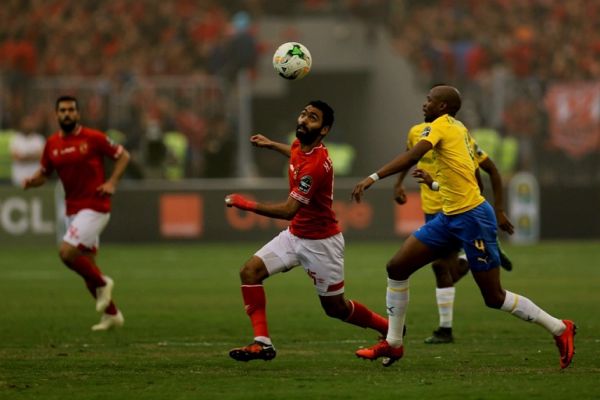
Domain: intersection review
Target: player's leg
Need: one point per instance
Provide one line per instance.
(323, 260)
(77, 251)
(484, 261)
(523, 308)
(252, 275)
(353, 312)
(413, 255)
(274, 257)
(446, 270)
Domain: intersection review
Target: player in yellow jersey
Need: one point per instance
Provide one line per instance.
(467, 220)
(450, 269)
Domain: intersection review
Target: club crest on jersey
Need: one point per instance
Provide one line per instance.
(83, 148)
(426, 131)
(305, 184)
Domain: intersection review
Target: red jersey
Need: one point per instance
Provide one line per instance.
(311, 183)
(78, 159)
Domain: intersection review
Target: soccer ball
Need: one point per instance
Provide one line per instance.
(292, 60)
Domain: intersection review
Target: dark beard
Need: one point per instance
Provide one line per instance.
(309, 137)
(67, 126)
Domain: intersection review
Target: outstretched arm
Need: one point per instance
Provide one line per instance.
(284, 210)
(401, 163)
(490, 168)
(263, 141)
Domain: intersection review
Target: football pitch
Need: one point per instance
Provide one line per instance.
(183, 311)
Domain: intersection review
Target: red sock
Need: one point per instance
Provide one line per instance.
(88, 270)
(365, 318)
(92, 275)
(255, 303)
(111, 309)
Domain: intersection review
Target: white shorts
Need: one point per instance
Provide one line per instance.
(322, 259)
(84, 228)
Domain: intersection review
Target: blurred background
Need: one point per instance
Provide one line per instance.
(182, 84)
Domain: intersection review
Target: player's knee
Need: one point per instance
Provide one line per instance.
(438, 268)
(336, 311)
(394, 270)
(250, 275)
(493, 300)
(66, 255)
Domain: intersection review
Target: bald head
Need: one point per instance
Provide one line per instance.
(449, 95)
(442, 99)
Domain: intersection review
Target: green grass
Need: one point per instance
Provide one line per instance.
(183, 312)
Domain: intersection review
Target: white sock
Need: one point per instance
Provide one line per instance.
(397, 302)
(445, 303)
(263, 339)
(525, 309)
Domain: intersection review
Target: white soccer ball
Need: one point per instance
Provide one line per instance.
(292, 60)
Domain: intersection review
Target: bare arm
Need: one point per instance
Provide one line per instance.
(37, 179)
(284, 210)
(108, 188)
(399, 193)
(490, 168)
(263, 141)
(401, 163)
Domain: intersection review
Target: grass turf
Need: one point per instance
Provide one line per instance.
(183, 313)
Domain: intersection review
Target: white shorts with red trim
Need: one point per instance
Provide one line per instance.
(84, 228)
(322, 259)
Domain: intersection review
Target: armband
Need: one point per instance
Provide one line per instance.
(374, 176)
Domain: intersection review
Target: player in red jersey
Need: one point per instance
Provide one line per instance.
(77, 154)
(313, 239)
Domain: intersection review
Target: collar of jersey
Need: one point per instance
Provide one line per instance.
(77, 132)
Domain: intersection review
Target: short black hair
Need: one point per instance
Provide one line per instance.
(327, 111)
(67, 98)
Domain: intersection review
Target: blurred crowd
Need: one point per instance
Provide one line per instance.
(171, 65)
(505, 55)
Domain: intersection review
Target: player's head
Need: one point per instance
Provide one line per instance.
(442, 99)
(67, 113)
(314, 122)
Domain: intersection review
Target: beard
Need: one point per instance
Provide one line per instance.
(67, 126)
(307, 137)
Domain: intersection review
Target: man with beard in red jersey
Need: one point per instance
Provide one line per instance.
(313, 239)
(77, 154)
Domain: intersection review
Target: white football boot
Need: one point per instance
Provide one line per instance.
(109, 321)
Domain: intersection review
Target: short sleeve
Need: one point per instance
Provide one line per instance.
(432, 134)
(107, 146)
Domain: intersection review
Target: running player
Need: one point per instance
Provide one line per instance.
(77, 153)
(467, 221)
(452, 268)
(312, 240)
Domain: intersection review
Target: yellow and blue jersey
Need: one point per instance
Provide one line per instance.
(455, 158)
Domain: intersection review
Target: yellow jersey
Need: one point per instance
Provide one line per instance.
(455, 159)
(431, 201)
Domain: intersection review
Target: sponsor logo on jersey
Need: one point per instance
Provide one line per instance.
(305, 184)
